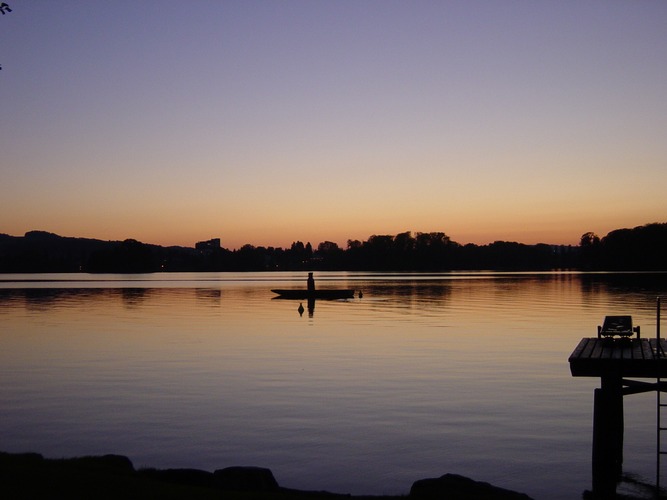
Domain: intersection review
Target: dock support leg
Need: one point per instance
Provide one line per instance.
(607, 437)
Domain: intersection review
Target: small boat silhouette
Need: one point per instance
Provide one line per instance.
(312, 293)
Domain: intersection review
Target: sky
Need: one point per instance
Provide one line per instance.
(269, 122)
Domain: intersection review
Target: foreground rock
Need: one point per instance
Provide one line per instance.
(30, 475)
(246, 479)
(455, 487)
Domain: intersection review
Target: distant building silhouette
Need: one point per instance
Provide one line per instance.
(208, 246)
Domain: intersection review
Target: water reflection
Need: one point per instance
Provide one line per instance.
(426, 374)
(45, 299)
(134, 297)
(624, 283)
(212, 297)
(310, 303)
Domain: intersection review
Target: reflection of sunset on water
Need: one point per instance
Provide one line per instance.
(425, 374)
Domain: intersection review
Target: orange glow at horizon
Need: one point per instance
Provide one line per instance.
(165, 233)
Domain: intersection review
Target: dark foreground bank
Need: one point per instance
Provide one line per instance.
(30, 475)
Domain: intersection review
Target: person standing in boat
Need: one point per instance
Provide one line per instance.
(311, 282)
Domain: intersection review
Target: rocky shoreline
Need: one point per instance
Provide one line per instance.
(30, 475)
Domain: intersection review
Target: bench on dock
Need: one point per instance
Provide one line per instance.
(617, 325)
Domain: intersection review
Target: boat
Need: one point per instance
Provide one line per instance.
(310, 293)
(304, 294)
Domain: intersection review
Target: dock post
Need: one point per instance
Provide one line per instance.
(607, 436)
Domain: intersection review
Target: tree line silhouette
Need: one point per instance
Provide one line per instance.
(640, 248)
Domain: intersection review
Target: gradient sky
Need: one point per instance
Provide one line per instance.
(267, 122)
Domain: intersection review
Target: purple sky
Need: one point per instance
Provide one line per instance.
(274, 121)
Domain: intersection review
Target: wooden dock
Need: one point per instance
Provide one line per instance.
(636, 357)
(615, 361)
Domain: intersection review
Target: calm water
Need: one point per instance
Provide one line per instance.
(426, 374)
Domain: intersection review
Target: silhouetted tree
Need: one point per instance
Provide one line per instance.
(4, 8)
(590, 248)
(248, 258)
(353, 244)
(129, 256)
(403, 251)
(640, 248)
(297, 256)
(589, 239)
(327, 247)
(435, 251)
(329, 255)
(378, 252)
(353, 256)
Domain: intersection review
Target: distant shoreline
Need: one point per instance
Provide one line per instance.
(639, 249)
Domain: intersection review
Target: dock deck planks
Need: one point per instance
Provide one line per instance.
(595, 357)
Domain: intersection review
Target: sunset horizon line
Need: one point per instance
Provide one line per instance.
(316, 244)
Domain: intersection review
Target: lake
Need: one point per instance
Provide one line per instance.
(426, 374)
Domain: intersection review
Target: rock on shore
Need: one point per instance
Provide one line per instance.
(30, 475)
(455, 487)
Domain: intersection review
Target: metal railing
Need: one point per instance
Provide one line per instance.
(659, 404)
